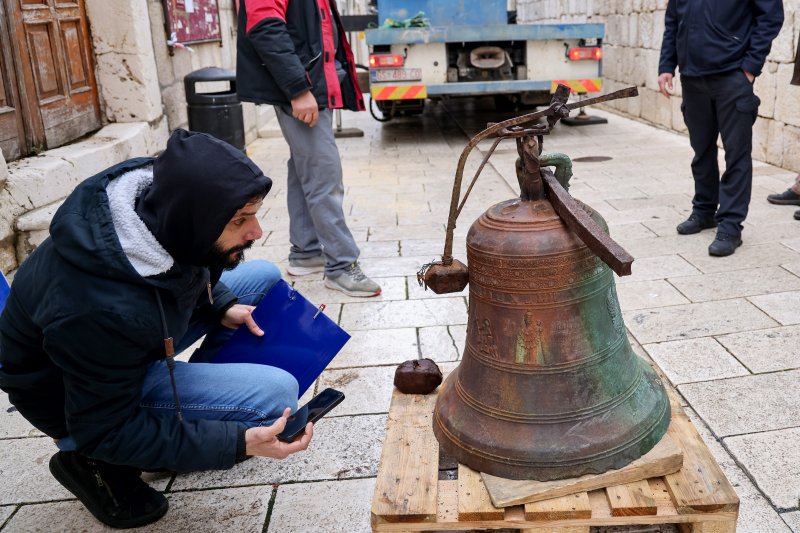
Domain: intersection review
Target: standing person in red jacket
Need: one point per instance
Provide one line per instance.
(294, 55)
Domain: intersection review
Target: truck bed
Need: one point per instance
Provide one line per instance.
(506, 32)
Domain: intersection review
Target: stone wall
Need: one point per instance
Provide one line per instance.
(631, 50)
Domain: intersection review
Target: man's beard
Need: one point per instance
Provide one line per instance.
(226, 259)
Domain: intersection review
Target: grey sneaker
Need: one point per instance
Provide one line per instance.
(353, 282)
(308, 265)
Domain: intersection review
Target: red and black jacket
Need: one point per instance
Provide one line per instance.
(286, 47)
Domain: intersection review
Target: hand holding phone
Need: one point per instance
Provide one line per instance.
(262, 440)
(315, 409)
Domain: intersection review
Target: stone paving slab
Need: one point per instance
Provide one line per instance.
(792, 520)
(648, 294)
(442, 343)
(668, 244)
(11, 422)
(241, 510)
(695, 320)
(25, 473)
(793, 267)
(398, 233)
(750, 256)
(5, 512)
(367, 390)
(756, 515)
(627, 232)
(737, 283)
(695, 360)
(332, 507)
(342, 447)
(783, 307)
(378, 347)
(736, 406)
(416, 313)
(767, 350)
(383, 267)
(660, 267)
(773, 459)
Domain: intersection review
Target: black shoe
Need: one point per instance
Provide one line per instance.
(724, 244)
(695, 224)
(787, 197)
(115, 495)
(797, 215)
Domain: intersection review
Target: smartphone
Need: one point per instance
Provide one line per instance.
(315, 409)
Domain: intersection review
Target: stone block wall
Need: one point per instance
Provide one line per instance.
(631, 50)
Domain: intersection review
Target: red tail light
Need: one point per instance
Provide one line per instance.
(386, 60)
(581, 54)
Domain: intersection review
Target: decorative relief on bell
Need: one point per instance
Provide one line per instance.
(485, 339)
(529, 342)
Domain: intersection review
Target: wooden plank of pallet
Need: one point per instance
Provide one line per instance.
(701, 486)
(473, 500)
(406, 489)
(631, 499)
(572, 506)
(665, 457)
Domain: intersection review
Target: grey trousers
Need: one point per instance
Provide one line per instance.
(315, 193)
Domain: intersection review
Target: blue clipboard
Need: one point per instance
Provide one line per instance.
(298, 337)
(4, 290)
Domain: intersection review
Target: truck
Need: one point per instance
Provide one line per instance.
(456, 48)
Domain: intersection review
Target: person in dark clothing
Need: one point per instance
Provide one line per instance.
(143, 259)
(791, 196)
(720, 47)
(293, 54)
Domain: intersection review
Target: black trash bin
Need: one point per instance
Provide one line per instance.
(219, 113)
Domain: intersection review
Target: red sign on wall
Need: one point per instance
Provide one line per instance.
(192, 21)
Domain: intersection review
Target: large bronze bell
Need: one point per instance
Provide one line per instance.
(548, 386)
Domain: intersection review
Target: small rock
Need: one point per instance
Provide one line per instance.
(417, 376)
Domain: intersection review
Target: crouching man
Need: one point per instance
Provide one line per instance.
(143, 259)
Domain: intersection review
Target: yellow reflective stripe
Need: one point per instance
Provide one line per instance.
(592, 85)
(399, 92)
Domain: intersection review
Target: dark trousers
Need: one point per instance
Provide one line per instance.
(721, 104)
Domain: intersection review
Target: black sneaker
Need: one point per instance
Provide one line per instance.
(724, 244)
(115, 495)
(797, 215)
(787, 197)
(695, 224)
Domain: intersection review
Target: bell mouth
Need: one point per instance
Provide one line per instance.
(610, 439)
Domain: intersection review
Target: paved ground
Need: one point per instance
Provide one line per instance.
(726, 331)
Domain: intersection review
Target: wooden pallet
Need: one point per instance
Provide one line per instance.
(409, 496)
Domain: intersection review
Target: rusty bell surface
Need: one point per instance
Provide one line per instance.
(549, 386)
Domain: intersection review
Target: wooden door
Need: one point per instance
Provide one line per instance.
(54, 70)
(12, 134)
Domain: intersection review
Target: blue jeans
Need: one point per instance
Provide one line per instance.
(254, 395)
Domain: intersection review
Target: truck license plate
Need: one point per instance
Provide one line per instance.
(395, 74)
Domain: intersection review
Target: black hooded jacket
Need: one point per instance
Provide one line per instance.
(81, 324)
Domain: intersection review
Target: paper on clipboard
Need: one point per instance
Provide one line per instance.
(297, 337)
